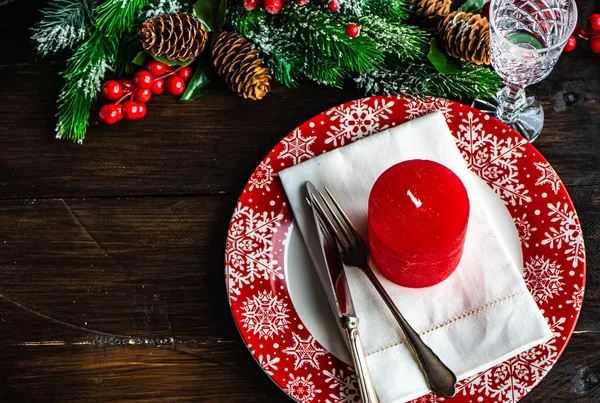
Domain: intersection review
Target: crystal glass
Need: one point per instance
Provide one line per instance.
(526, 39)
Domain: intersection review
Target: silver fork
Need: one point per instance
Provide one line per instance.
(355, 252)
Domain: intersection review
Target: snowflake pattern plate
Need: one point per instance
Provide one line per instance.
(546, 221)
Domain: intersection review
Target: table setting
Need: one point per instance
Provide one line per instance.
(417, 236)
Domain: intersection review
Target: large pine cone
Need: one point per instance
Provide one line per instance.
(466, 36)
(432, 9)
(237, 63)
(178, 36)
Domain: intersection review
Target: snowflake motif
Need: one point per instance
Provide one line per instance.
(347, 387)
(250, 248)
(417, 107)
(302, 388)
(568, 233)
(492, 159)
(357, 120)
(510, 380)
(547, 175)
(268, 364)
(297, 147)
(305, 351)
(430, 398)
(524, 229)
(577, 298)
(262, 177)
(543, 279)
(264, 314)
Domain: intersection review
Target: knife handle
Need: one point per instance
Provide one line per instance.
(367, 389)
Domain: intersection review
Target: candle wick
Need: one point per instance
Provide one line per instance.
(416, 201)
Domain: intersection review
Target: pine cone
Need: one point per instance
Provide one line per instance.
(466, 36)
(237, 63)
(174, 36)
(432, 9)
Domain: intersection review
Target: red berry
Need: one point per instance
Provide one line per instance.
(185, 73)
(333, 5)
(112, 90)
(142, 95)
(143, 79)
(158, 87)
(302, 2)
(156, 68)
(594, 22)
(175, 85)
(571, 43)
(250, 4)
(130, 110)
(127, 85)
(119, 111)
(109, 114)
(272, 6)
(352, 30)
(485, 11)
(595, 43)
(141, 111)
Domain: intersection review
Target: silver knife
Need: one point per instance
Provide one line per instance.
(338, 293)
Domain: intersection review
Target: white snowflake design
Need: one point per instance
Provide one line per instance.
(301, 388)
(250, 248)
(264, 314)
(262, 177)
(357, 120)
(568, 233)
(543, 278)
(493, 159)
(510, 380)
(524, 229)
(346, 386)
(577, 298)
(268, 364)
(297, 147)
(305, 351)
(430, 398)
(417, 107)
(547, 176)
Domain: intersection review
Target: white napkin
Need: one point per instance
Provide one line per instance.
(478, 317)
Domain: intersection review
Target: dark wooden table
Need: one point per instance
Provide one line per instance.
(111, 253)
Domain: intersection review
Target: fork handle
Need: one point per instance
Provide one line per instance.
(367, 389)
(440, 378)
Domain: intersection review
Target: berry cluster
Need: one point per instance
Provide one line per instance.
(130, 97)
(591, 33)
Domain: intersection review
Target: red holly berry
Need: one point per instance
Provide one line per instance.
(119, 111)
(141, 111)
(352, 30)
(302, 2)
(333, 5)
(250, 4)
(594, 22)
(142, 95)
(595, 43)
(175, 85)
(571, 43)
(112, 90)
(109, 114)
(130, 110)
(485, 10)
(127, 85)
(156, 68)
(158, 87)
(143, 79)
(272, 6)
(185, 73)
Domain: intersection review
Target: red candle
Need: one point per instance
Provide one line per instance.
(418, 215)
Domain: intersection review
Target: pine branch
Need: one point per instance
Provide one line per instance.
(397, 41)
(64, 23)
(394, 10)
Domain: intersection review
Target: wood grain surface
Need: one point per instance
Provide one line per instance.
(111, 253)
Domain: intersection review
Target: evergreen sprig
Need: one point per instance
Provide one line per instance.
(394, 10)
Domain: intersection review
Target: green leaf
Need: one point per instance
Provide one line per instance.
(472, 6)
(169, 62)
(440, 60)
(211, 13)
(202, 80)
(140, 58)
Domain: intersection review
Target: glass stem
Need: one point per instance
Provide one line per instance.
(510, 101)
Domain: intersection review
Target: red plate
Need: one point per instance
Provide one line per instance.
(548, 227)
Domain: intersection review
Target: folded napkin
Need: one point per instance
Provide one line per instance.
(478, 317)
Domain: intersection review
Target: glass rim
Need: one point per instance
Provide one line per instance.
(572, 8)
